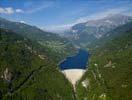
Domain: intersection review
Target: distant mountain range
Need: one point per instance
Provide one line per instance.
(29, 59)
(49, 41)
(86, 33)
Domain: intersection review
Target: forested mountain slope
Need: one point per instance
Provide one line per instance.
(110, 35)
(27, 73)
(109, 76)
(58, 46)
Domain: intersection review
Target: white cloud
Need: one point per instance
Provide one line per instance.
(22, 21)
(9, 10)
(19, 11)
(36, 9)
(102, 14)
(39, 7)
(2, 10)
(99, 15)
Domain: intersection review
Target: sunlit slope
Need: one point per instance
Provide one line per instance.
(86, 33)
(109, 76)
(28, 74)
(58, 46)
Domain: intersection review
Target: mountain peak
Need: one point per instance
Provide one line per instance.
(95, 29)
(117, 16)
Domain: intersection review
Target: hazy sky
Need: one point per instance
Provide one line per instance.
(61, 14)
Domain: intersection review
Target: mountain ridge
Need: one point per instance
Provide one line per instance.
(50, 41)
(85, 33)
(109, 68)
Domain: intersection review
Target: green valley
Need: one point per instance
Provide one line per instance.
(65, 49)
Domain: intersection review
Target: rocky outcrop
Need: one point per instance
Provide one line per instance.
(85, 83)
(7, 75)
(110, 64)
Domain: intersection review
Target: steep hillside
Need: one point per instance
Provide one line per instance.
(110, 71)
(28, 74)
(86, 33)
(51, 42)
(110, 35)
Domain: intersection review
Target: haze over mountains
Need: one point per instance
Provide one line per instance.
(29, 60)
(86, 33)
(48, 40)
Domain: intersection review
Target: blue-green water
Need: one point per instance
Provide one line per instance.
(78, 61)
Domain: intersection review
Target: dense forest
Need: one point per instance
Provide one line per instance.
(27, 74)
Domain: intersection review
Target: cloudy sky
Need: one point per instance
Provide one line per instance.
(57, 15)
